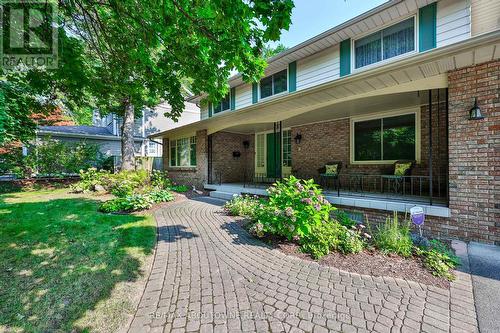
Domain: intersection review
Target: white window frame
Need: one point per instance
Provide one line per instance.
(399, 112)
(176, 140)
(278, 94)
(155, 146)
(385, 61)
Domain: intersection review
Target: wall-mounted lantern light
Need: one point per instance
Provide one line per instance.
(475, 112)
(246, 144)
(298, 138)
(236, 154)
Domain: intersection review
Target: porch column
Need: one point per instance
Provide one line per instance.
(430, 146)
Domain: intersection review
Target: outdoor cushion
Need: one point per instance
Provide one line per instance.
(401, 168)
(331, 169)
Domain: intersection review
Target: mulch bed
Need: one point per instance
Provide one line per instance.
(367, 262)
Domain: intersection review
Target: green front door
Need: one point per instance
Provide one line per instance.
(273, 158)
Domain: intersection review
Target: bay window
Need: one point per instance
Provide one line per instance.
(274, 84)
(385, 139)
(390, 42)
(183, 152)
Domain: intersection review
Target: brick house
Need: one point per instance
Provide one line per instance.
(395, 83)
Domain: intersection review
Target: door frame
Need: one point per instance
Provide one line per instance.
(285, 170)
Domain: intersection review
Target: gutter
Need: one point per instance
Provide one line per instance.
(85, 136)
(462, 46)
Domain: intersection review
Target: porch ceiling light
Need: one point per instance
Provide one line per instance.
(298, 138)
(475, 112)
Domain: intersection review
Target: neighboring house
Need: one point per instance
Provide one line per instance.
(395, 83)
(106, 130)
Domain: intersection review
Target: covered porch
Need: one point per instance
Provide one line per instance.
(365, 137)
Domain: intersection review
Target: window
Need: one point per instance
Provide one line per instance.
(390, 42)
(287, 148)
(260, 150)
(183, 152)
(151, 148)
(385, 139)
(222, 105)
(273, 84)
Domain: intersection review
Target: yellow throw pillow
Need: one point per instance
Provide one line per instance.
(331, 169)
(401, 168)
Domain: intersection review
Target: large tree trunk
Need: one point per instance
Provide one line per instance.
(128, 138)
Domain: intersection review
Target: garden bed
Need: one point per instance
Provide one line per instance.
(297, 220)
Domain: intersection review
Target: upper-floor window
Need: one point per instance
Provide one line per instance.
(274, 84)
(222, 105)
(390, 42)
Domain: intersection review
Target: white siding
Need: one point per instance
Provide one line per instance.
(453, 21)
(318, 68)
(485, 16)
(243, 96)
(204, 112)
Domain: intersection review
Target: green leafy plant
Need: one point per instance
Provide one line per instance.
(242, 205)
(294, 208)
(439, 264)
(344, 219)
(90, 178)
(161, 195)
(180, 188)
(159, 179)
(451, 259)
(130, 203)
(393, 237)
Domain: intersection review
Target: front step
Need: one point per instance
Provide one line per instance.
(222, 195)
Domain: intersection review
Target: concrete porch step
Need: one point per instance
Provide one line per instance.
(222, 195)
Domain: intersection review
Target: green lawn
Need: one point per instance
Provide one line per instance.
(66, 267)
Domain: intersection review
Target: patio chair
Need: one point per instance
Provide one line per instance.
(330, 171)
(398, 174)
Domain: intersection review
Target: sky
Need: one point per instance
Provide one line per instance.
(312, 17)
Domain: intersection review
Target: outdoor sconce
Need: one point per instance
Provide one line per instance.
(246, 144)
(236, 154)
(475, 112)
(298, 138)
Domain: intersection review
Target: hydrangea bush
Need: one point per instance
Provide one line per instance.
(294, 208)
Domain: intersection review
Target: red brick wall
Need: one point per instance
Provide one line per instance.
(196, 176)
(474, 152)
(227, 168)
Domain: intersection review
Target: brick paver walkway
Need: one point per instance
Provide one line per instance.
(209, 275)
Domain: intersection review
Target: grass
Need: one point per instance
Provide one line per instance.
(66, 267)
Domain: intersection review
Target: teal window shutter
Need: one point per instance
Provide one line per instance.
(345, 57)
(233, 98)
(427, 27)
(255, 92)
(209, 109)
(292, 76)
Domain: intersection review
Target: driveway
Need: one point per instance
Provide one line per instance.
(209, 275)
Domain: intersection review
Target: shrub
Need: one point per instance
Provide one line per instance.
(160, 180)
(158, 195)
(180, 188)
(331, 236)
(129, 203)
(344, 219)
(294, 208)
(90, 178)
(392, 237)
(242, 205)
(51, 157)
(439, 259)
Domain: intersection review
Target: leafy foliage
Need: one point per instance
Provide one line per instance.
(269, 51)
(439, 259)
(242, 205)
(393, 237)
(49, 157)
(129, 203)
(179, 188)
(160, 180)
(344, 219)
(161, 196)
(294, 208)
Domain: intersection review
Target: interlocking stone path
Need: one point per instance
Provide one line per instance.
(209, 275)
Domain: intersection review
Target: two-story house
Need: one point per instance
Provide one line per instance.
(411, 84)
(105, 131)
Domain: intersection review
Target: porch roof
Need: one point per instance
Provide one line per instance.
(422, 71)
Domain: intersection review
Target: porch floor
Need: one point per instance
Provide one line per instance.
(381, 201)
